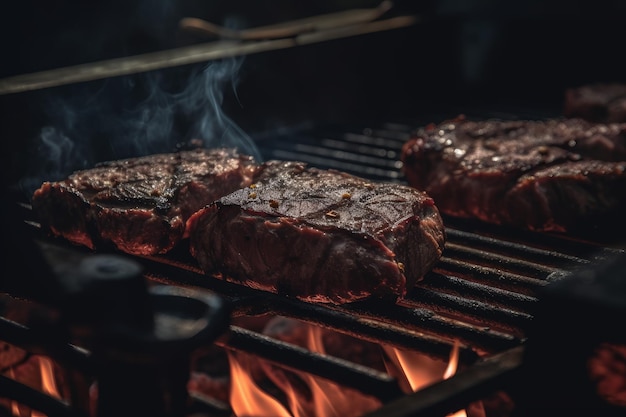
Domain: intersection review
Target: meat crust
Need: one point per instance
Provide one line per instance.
(600, 102)
(139, 205)
(557, 175)
(319, 235)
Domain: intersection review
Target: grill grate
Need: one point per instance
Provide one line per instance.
(481, 293)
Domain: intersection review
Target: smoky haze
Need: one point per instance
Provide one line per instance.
(140, 115)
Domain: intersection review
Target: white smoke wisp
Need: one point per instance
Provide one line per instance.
(140, 115)
(204, 97)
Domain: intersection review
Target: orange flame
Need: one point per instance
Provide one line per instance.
(48, 382)
(414, 368)
(326, 399)
(41, 378)
(418, 370)
(15, 406)
(246, 398)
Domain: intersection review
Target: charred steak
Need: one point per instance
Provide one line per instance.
(319, 235)
(140, 205)
(603, 103)
(557, 175)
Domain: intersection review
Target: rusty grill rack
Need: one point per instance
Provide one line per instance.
(481, 293)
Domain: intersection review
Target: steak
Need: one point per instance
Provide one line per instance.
(554, 175)
(139, 205)
(602, 103)
(319, 235)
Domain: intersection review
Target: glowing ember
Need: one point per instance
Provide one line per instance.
(607, 370)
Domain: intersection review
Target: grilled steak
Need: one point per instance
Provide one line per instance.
(604, 103)
(139, 205)
(556, 175)
(319, 235)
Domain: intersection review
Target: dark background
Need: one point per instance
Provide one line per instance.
(464, 56)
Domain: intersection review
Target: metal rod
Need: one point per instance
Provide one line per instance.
(184, 56)
(406, 316)
(455, 393)
(508, 263)
(35, 399)
(366, 328)
(548, 256)
(468, 288)
(41, 343)
(286, 355)
(490, 274)
(482, 311)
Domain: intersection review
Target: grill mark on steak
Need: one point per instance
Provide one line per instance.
(564, 175)
(319, 235)
(139, 205)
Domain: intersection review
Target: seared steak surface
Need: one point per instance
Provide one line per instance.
(139, 205)
(319, 235)
(557, 175)
(604, 103)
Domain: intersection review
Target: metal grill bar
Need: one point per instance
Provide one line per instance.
(47, 404)
(515, 248)
(374, 328)
(490, 275)
(362, 157)
(484, 312)
(471, 289)
(347, 374)
(349, 320)
(365, 171)
(37, 342)
(406, 315)
(453, 394)
(362, 149)
(505, 263)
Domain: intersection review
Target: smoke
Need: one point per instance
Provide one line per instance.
(139, 115)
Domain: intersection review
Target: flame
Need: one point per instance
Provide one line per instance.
(15, 406)
(48, 382)
(324, 398)
(453, 364)
(418, 370)
(327, 399)
(44, 381)
(414, 368)
(246, 398)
